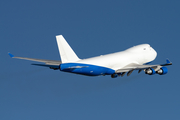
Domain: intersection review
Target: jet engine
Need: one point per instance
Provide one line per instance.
(162, 71)
(150, 71)
(114, 75)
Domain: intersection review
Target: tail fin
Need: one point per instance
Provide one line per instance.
(66, 52)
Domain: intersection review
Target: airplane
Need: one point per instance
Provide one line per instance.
(114, 64)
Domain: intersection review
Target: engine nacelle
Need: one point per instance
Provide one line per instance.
(150, 71)
(162, 71)
(114, 75)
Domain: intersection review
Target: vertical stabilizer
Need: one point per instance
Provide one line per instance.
(66, 52)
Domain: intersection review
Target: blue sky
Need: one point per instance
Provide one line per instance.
(28, 29)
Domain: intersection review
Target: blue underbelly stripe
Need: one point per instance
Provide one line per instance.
(86, 69)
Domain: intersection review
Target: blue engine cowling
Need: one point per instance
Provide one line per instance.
(150, 71)
(162, 71)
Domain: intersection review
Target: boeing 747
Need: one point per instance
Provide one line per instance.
(115, 64)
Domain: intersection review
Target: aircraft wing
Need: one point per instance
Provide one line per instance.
(53, 64)
(131, 67)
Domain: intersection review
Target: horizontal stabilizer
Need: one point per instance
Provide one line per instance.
(55, 67)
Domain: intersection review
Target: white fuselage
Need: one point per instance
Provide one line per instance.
(115, 64)
(139, 54)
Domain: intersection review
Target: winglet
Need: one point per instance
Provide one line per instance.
(11, 55)
(168, 61)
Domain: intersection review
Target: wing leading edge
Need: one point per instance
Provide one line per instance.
(130, 68)
(53, 64)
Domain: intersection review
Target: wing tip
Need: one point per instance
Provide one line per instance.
(168, 61)
(11, 55)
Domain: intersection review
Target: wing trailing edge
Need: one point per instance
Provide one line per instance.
(131, 67)
(53, 64)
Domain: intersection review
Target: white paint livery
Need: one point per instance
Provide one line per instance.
(115, 64)
(66, 52)
(139, 55)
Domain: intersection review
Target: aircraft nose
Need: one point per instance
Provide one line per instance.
(154, 53)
